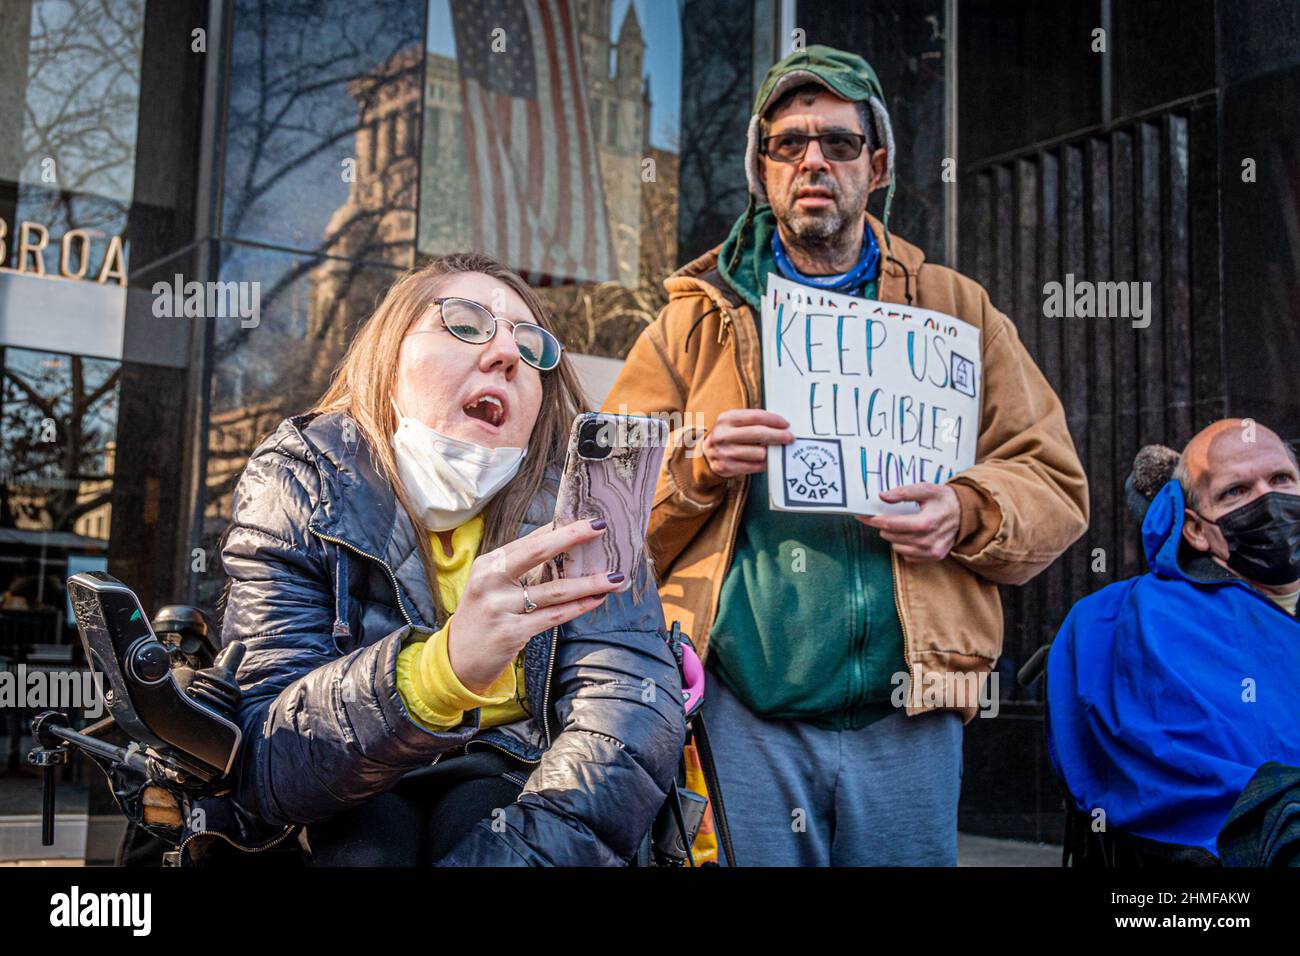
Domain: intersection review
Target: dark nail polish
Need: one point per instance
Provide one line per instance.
(599, 524)
(616, 577)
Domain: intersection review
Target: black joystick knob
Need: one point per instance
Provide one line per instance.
(150, 661)
(216, 686)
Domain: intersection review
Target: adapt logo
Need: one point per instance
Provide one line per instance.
(814, 472)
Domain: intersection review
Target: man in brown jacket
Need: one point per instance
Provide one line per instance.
(844, 653)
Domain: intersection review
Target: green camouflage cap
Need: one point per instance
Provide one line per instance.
(848, 76)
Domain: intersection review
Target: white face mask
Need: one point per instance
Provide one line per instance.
(447, 480)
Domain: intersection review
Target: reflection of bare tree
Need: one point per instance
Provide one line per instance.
(311, 306)
(309, 111)
(288, 116)
(73, 401)
(288, 106)
(81, 103)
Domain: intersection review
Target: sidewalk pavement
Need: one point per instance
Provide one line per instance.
(975, 850)
(971, 851)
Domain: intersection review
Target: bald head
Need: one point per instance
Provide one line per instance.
(1231, 462)
(1225, 467)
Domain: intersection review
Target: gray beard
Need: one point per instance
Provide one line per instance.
(815, 230)
(828, 237)
(823, 238)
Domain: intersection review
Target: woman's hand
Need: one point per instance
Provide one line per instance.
(490, 627)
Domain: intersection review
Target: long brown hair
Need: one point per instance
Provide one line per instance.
(364, 380)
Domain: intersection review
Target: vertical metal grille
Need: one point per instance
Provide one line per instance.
(1135, 202)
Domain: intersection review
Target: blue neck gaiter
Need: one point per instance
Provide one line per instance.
(845, 283)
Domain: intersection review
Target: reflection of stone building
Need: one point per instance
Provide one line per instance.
(96, 522)
(444, 199)
(374, 225)
(232, 434)
(619, 101)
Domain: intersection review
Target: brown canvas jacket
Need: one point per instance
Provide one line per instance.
(1022, 504)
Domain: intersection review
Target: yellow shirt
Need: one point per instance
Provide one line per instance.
(433, 695)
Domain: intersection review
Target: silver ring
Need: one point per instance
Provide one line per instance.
(529, 606)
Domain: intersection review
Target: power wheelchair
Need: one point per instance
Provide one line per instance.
(1085, 845)
(170, 737)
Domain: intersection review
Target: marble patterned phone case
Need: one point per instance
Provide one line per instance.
(618, 488)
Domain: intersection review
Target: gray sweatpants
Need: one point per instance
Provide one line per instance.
(796, 795)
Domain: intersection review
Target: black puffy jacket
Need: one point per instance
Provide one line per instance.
(326, 582)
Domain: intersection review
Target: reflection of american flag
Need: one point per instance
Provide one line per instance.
(534, 177)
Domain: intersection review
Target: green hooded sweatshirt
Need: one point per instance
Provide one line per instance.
(807, 625)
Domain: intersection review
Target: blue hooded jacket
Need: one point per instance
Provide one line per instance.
(1166, 692)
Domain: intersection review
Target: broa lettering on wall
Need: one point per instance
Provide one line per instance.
(877, 394)
(70, 258)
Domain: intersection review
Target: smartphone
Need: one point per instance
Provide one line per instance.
(610, 472)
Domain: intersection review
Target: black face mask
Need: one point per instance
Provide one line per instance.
(1263, 538)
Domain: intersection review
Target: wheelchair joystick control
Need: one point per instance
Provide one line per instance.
(216, 686)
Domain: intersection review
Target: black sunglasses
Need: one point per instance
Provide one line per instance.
(473, 323)
(790, 147)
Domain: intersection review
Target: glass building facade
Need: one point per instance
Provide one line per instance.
(206, 198)
(293, 157)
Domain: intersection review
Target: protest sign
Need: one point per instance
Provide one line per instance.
(878, 395)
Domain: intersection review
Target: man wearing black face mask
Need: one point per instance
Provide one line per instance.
(1242, 491)
(1167, 693)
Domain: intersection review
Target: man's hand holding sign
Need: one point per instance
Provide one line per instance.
(926, 536)
(737, 443)
(871, 407)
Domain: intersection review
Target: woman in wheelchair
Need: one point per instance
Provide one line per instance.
(1172, 701)
(412, 691)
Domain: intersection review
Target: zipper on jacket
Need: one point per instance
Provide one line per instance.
(392, 575)
(489, 744)
(238, 846)
(902, 626)
(546, 693)
(722, 326)
(401, 606)
(857, 642)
